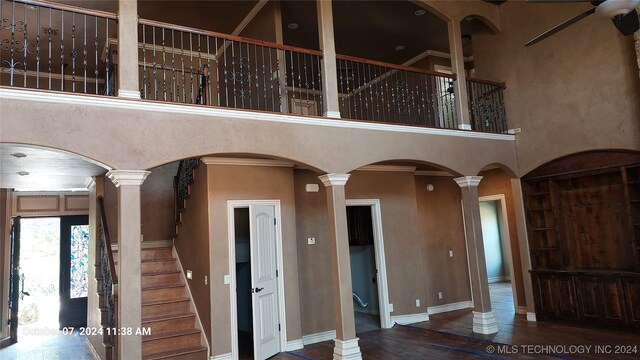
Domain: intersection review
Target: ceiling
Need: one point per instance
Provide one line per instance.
(48, 169)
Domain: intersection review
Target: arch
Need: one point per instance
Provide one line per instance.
(410, 162)
(586, 159)
(63, 151)
(505, 168)
(456, 11)
(486, 21)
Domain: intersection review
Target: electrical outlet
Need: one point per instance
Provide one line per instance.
(417, 302)
(189, 274)
(390, 307)
(440, 295)
(206, 280)
(450, 253)
(311, 241)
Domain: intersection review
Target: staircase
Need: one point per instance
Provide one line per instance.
(166, 310)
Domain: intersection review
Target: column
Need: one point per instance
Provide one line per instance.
(329, 68)
(523, 243)
(128, 183)
(483, 320)
(346, 342)
(457, 67)
(128, 76)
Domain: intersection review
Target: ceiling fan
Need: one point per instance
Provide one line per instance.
(621, 12)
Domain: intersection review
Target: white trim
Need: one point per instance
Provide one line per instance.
(484, 323)
(464, 127)
(392, 168)
(334, 179)
(346, 350)
(466, 181)
(129, 94)
(282, 319)
(531, 316)
(438, 309)
(293, 345)
(212, 160)
(92, 349)
(432, 173)
(409, 318)
(521, 310)
(381, 263)
(226, 356)
(318, 337)
(242, 115)
(127, 177)
(505, 220)
(192, 305)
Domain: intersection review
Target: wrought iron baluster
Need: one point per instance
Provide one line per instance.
(279, 83)
(38, 47)
(273, 102)
(184, 80)
(256, 76)
(174, 92)
(25, 45)
(233, 73)
(108, 83)
(292, 109)
(155, 64)
(306, 80)
(144, 61)
(217, 72)
(264, 79)
(321, 96)
(225, 72)
(209, 67)
(62, 51)
(191, 68)
(95, 44)
(84, 51)
(73, 52)
(163, 67)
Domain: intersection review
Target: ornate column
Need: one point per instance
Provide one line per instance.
(329, 67)
(457, 67)
(128, 76)
(484, 321)
(346, 342)
(128, 183)
(523, 244)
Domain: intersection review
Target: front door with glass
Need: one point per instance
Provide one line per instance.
(74, 269)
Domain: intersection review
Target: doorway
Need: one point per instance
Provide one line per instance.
(497, 250)
(368, 266)
(50, 287)
(257, 287)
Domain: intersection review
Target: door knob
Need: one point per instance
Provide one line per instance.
(257, 290)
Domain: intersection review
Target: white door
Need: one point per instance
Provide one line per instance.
(266, 327)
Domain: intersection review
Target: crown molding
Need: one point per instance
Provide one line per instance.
(394, 168)
(212, 160)
(334, 179)
(127, 177)
(433, 173)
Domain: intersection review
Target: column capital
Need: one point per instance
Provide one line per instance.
(468, 181)
(334, 179)
(127, 177)
(91, 183)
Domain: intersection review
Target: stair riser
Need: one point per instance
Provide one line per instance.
(162, 279)
(155, 266)
(162, 309)
(162, 294)
(160, 345)
(164, 326)
(156, 254)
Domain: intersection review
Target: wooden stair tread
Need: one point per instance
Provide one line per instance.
(173, 353)
(167, 317)
(158, 260)
(169, 334)
(158, 287)
(168, 301)
(164, 272)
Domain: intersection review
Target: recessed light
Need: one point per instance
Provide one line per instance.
(420, 12)
(399, 47)
(19, 155)
(23, 173)
(293, 26)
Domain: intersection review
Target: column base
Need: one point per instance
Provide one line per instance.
(484, 323)
(531, 317)
(332, 114)
(346, 350)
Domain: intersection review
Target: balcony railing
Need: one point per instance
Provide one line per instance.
(55, 47)
(180, 64)
(486, 106)
(58, 47)
(377, 91)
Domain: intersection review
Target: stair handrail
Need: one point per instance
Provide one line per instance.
(107, 241)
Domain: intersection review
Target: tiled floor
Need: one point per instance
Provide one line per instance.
(47, 347)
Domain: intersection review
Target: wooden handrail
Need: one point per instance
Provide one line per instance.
(65, 7)
(105, 229)
(488, 82)
(228, 37)
(394, 66)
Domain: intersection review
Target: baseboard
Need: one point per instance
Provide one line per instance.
(522, 310)
(318, 337)
(409, 318)
(92, 350)
(293, 345)
(449, 307)
(226, 356)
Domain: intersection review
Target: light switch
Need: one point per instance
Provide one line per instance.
(311, 241)
(206, 280)
(227, 279)
(189, 274)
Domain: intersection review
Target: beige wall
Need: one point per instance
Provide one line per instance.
(192, 246)
(575, 91)
(440, 220)
(495, 182)
(230, 182)
(158, 203)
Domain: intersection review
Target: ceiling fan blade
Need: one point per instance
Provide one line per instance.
(627, 24)
(561, 26)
